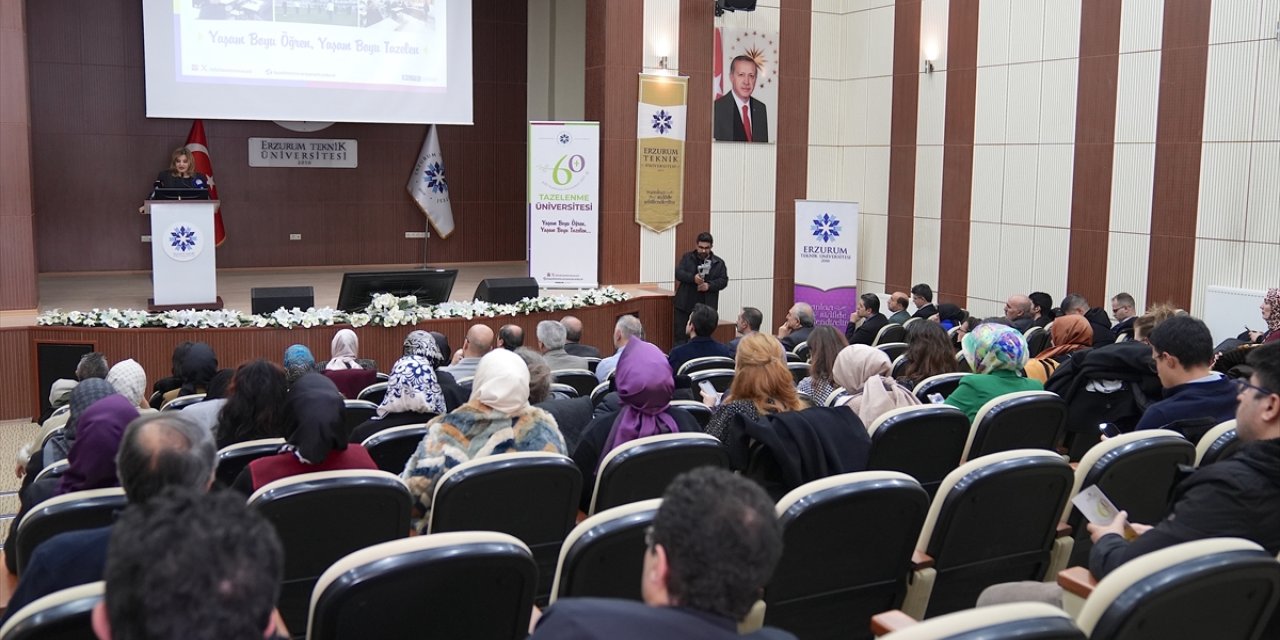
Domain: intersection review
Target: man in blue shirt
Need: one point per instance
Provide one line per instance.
(1195, 397)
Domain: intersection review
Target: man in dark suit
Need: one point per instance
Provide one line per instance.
(713, 546)
(797, 327)
(738, 116)
(872, 321)
(702, 323)
(573, 336)
(701, 275)
(1123, 309)
(922, 296)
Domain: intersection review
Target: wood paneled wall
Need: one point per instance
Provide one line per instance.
(793, 147)
(17, 242)
(96, 154)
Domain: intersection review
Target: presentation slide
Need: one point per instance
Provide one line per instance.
(320, 60)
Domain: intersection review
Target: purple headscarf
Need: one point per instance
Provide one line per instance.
(644, 382)
(92, 460)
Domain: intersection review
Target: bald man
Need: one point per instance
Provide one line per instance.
(573, 339)
(1017, 310)
(478, 342)
(898, 307)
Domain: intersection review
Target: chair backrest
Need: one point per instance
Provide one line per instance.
(925, 442)
(582, 380)
(180, 402)
(531, 495)
(68, 512)
(700, 412)
(911, 320)
(835, 571)
(567, 390)
(993, 520)
(472, 584)
(600, 391)
(721, 379)
(1211, 588)
(382, 377)
(1020, 420)
(1218, 443)
(1136, 471)
(799, 370)
(802, 350)
(703, 364)
(592, 362)
(837, 394)
(943, 384)
(892, 332)
(356, 412)
(899, 366)
(373, 393)
(1038, 339)
(791, 357)
(604, 555)
(54, 470)
(642, 468)
(61, 615)
(351, 381)
(53, 432)
(892, 349)
(465, 382)
(233, 459)
(391, 448)
(1028, 620)
(322, 517)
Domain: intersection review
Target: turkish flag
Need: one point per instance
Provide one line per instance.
(197, 144)
(717, 73)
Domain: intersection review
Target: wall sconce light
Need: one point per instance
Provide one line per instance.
(930, 54)
(662, 62)
(928, 66)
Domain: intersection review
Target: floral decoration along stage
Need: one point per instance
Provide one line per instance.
(385, 310)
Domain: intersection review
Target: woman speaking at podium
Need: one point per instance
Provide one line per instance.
(179, 180)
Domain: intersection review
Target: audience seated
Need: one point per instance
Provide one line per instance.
(539, 376)
(344, 353)
(30, 454)
(1017, 310)
(762, 385)
(255, 404)
(422, 344)
(898, 302)
(197, 368)
(929, 353)
(1124, 310)
(749, 321)
(711, 550)
(644, 384)
(824, 344)
(702, 323)
(626, 328)
(996, 352)
(511, 337)
(796, 328)
(164, 385)
(573, 336)
(316, 436)
(497, 419)
(156, 451)
(922, 297)
(413, 397)
(864, 372)
(949, 316)
(82, 397)
(1076, 304)
(92, 365)
(872, 321)
(205, 413)
(1183, 351)
(186, 564)
(1270, 309)
(478, 342)
(129, 379)
(298, 362)
(1042, 308)
(1071, 335)
(551, 341)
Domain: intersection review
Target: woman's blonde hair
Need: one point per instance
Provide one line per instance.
(191, 161)
(761, 376)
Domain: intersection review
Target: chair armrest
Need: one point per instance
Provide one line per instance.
(890, 621)
(920, 560)
(1065, 530)
(1077, 581)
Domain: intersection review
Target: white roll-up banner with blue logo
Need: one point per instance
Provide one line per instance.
(564, 209)
(827, 259)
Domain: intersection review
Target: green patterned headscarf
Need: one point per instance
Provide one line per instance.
(994, 346)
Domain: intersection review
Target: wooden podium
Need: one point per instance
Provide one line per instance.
(183, 262)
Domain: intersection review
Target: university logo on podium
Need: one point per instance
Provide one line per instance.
(183, 242)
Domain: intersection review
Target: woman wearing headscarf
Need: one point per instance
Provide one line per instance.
(85, 394)
(866, 373)
(199, 365)
(351, 374)
(1270, 309)
(130, 381)
(413, 397)
(497, 419)
(316, 438)
(997, 352)
(644, 383)
(426, 344)
(255, 405)
(298, 362)
(762, 384)
(1071, 334)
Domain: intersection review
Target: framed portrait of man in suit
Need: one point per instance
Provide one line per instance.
(744, 84)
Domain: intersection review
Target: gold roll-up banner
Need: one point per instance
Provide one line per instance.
(660, 151)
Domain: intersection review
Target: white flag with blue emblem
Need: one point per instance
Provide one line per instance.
(428, 187)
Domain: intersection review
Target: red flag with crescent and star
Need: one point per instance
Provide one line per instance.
(198, 145)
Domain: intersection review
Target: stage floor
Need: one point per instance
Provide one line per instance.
(130, 289)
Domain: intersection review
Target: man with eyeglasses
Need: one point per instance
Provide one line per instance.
(713, 546)
(1195, 396)
(700, 275)
(1235, 497)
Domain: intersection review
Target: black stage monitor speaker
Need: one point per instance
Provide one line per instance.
(734, 5)
(429, 285)
(506, 290)
(267, 299)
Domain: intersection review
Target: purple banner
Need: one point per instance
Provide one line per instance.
(832, 307)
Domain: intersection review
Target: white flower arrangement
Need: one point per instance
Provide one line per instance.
(384, 310)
